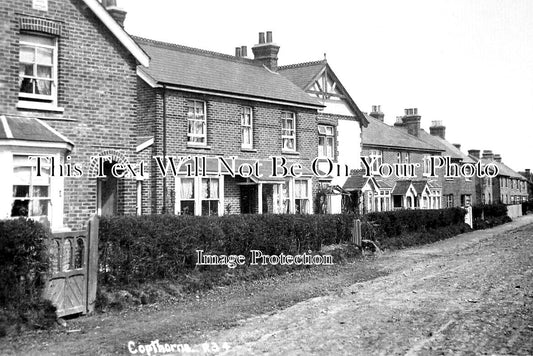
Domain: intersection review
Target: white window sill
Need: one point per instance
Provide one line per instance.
(248, 149)
(31, 105)
(198, 146)
(285, 152)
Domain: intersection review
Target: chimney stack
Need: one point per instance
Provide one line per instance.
(377, 113)
(412, 121)
(474, 153)
(117, 13)
(487, 154)
(457, 145)
(438, 129)
(497, 157)
(266, 53)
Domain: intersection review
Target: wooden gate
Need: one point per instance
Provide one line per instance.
(74, 265)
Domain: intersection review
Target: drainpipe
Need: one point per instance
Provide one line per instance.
(164, 210)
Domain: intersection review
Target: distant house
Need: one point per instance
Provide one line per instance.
(527, 174)
(459, 191)
(399, 144)
(509, 187)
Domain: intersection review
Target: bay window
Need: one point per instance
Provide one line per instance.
(31, 194)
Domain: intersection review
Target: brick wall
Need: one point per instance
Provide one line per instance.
(223, 134)
(96, 87)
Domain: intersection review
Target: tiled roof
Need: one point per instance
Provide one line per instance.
(355, 182)
(449, 148)
(28, 129)
(195, 68)
(380, 134)
(302, 74)
(401, 187)
(419, 185)
(504, 170)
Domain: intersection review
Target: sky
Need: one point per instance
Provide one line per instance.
(467, 63)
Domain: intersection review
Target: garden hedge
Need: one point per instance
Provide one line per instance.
(24, 262)
(489, 215)
(136, 249)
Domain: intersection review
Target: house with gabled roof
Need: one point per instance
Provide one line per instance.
(199, 103)
(508, 187)
(394, 145)
(340, 122)
(68, 92)
(457, 191)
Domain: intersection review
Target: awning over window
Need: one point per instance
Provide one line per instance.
(30, 131)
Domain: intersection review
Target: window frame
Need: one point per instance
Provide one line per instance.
(32, 98)
(197, 191)
(32, 165)
(193, 118)
(378, 155)
(285, 116)
(245, 126)
(322, 153)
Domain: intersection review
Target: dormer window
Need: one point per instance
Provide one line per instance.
(38, 69)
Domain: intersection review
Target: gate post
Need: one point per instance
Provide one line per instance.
(469, 217)
(92, 262)
(356, 233)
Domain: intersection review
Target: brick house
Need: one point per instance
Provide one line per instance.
(68, 91)
(508, 187)
(457, 191)
(340, 124)
(205, 105)
(398, 144)
(529, 177)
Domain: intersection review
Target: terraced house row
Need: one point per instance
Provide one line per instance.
(81, 93)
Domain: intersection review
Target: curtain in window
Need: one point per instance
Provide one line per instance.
(187, 188)
(210, 188)
(300, 189)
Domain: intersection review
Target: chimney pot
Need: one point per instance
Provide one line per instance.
(497, 157)
(237, 51)
(266, 53)
(376, 113)
(269, 37)
(117, 13)
(438, 129)
(474, 153)
(244, 51)
(487, 154)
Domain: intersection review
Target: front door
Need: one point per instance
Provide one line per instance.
(107, 193)
(248, 199)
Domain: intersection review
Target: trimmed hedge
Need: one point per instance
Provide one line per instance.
(137, 249)
(24, 262)
(403, 228)
(151, 247)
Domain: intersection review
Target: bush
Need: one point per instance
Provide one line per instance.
(403, 228)
(527, 207)
(24, 262)
(489, 215)
(154, 247)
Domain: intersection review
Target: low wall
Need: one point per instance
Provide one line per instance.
(514, 211)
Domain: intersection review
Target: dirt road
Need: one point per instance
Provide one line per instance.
(472, 294)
